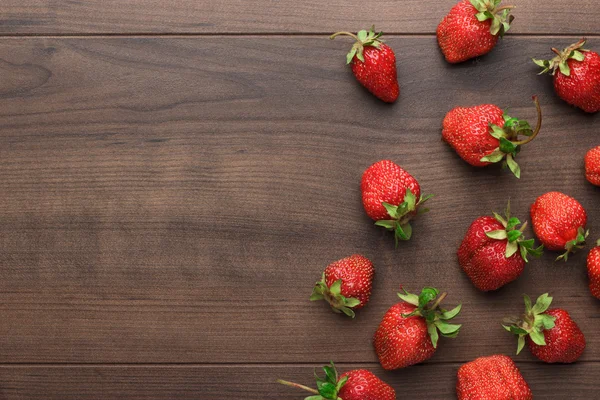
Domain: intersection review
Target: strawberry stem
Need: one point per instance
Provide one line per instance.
(537, 127)
(297, 385)
(504, 8)
(344, 33)
(439, 300)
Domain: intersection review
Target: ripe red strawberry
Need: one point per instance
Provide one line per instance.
(373, 64)
(358, 384)
(576, 74)
(593, 266)
(552, 336)
(559, 222)
(392, 197)
(494, 251)
(346, 284)
(491, 378)
(472, 28)
(408, 333)
(483, 135)
(592, 166)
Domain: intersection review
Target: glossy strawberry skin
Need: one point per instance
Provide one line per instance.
(356, 273)
(593, 267)
(364, 385)
(387, 182)
(564, 343)
(556, 218)
(491, 378)
(462, 37)
(592, 166)
(467, 130)
(582, 87)
(400, 342)
(378, 72)
(483, 259)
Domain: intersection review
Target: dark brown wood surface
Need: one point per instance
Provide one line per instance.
(167, 203)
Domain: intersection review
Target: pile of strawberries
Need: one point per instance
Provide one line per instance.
(494, 251)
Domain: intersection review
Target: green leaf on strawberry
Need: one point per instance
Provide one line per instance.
(428, 307)
(560, 62)
(500, 16)
(515, 240)
(333, 295)
(509, 144)
(402, 214)
(532, 323)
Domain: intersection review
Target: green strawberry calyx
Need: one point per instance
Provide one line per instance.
(402, 214)
(328, 387)
(515, 240)
(560, 62)
(428, 307)
(333, 295)
(500, 15)
(363, 38)
(508, 137)
(572, 245)
(533, 323)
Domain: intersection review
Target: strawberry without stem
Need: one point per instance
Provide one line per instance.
(491, 378)
(373, 64)
(483, 135)
(552, 336)
(559, 222)
(494, 251)
(593, 267)
(472, 28)
(346, 284)
(409, 331)
(576, 74)
(358, 384)
(592, 166)
(392, 197)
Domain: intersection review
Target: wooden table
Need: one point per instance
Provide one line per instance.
(177, 174)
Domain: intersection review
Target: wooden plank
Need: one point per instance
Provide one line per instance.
(235, 16)
(257, 382)
(174, 200)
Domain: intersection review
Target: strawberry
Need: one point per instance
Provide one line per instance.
(576, 74)
(491, 378)
(408, 333)
(494, 252)
(392, 197)
(472, 28)
(552, 336)
(373, 64)
(592, 166)
(483, 135)
(593, 267)
(346, 284)
(358, 384)
(559, 222)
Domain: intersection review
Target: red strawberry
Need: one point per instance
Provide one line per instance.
(358, 384)
(593, 266)
(576, 76)
(592, 166)
(494, 252)
(346, 284)
(491, 378)
(373, 64)
(559, 222)
(392, 197)
(408, 333)
(552, 335)
(483, 135)
(472, 28)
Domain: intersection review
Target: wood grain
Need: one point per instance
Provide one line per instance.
(258, 382)
(161, 204)
(284, 16)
